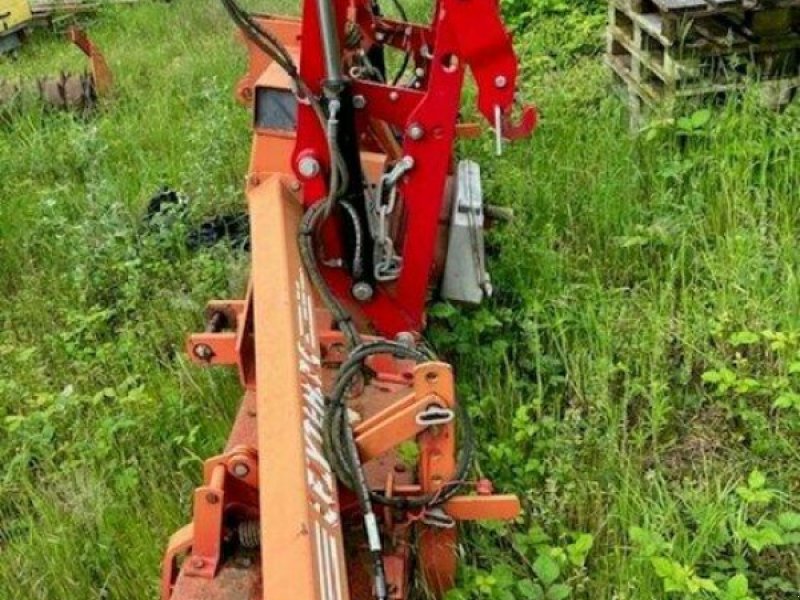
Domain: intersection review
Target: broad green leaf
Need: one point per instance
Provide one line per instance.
(546, 569)
(685, 124)
(760, 538)
(649, 542)
(664, 567)
(756, 480)
(737, 586)
(700, 118)
(530, 590)
(790, 521)
(577, 551)
(559, 591)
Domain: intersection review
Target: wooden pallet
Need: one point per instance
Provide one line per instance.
(709, 58)
(731, 22)
(44, 11)
(698, 54)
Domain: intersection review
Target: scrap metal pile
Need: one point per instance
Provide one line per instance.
(666, 49)
(77, 92)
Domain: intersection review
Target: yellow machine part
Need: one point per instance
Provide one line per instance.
(14, 14)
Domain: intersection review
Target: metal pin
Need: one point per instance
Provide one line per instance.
(498, 130)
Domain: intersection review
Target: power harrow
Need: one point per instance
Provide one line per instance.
(358, 211)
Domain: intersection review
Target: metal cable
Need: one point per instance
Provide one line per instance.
(308, 228)
(337, 428)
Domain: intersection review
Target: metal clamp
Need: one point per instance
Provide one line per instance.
(436, 517)
(434, 415)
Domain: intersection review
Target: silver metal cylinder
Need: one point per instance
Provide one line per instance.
(330, 42)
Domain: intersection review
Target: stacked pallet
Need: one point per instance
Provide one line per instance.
(671, 49)
(46, 11)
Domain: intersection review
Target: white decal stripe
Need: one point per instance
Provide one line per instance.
(328, 565)
(321, 571)
(337, 575)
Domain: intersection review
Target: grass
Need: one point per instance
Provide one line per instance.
(634, 380)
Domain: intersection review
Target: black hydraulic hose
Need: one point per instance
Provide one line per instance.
(308, 256)
(265, 40)
(337, 429)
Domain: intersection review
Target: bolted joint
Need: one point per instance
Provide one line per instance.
(363, 291)
(203, 352)
(416, 132)
(308, 167)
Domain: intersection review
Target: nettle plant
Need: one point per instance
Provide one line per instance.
(752, 528)
(543, 570)
(764, 364)
(759, 384)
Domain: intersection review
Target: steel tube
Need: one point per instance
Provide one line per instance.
(330, 42)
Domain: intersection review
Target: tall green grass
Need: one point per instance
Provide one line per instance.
(639, 273)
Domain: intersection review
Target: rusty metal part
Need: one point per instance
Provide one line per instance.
(68, 92)
(74, 92)
(102, 78)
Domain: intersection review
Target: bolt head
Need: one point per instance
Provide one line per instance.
(419, 72)
(240, 469)
(198, 563)
(308, 167)
(359, 102)
(406, 338)
(394, 96)
(362, 291)
(203, 352)
(416, 132)
(212, 498)
(500, 81)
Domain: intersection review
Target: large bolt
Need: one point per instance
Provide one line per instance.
(416, 132)
(308, 167)
(394, 96)
(359, 102)
(362, 291)
(500, 81)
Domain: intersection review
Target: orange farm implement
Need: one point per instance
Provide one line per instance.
(358, 209)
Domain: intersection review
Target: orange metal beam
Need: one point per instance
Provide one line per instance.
(301, 532)
(476, 508)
